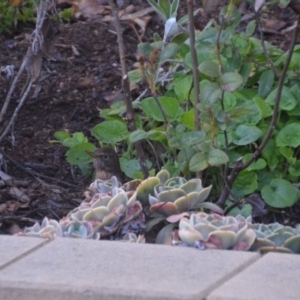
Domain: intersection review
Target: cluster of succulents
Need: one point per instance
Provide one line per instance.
(178, 203)
(170, 196)
(276, 237)
(213, 231)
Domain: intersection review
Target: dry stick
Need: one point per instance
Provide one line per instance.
(126, 89)
(12, 120)
(190, 5)
(263, 45)
(11, 90)
(239, 165)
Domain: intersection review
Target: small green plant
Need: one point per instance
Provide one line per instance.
(14, 12)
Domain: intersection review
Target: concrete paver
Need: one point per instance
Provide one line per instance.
(275, 276)
(86, 269)
(12, 247)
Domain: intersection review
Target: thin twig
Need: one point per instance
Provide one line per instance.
(126, 89)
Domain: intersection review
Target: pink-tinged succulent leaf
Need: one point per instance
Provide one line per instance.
(96, 214)
(131, 185)
(163, 176)
(185, 203)
(241, 246)
(119, 199)
(132, 211)
(203, 194)
(164, 237)
(78, 214)
(205, 230)
(188, 234)
(132, 198)
(211, 206)
(278, 239)
(171, 195)
(176, 182)
(193, 185)
(164, 208)
(146, 188)
(100, 200)
(177, 218)
(265, 250)
(293, 244)
(227, 238)
(114, 216)
(260, 243)
(152, 200)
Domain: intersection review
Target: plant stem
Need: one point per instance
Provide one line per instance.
(126, 89)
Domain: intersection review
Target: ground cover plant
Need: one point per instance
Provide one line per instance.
(223, 106)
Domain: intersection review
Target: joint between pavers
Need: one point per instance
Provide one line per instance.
(230, 275)
(14, 260)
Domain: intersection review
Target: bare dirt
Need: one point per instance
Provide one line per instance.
(75, 80)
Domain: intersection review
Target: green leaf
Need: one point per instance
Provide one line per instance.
(61, 135)
(246, 182)
(77, 138)
(265, 108)
(192, 138)
(182, 87)
(289, 136)
(77, 155)
(287, 99)
(135, 75)
(168, 52)
(280, 193)
(217, 157)
(184, 156)
(188, 119)
(138, 135)
(265, 83)
(251, 27)
(158, 9)
(169, 105)
(145, 49)
(288, 153)
(259, 164)
(294, 170)
(110, 132)
(245, 134)
(165, 6)
(199, 162)
(209, 68)
(231, 81)
(132, 167)
(174, 8)
(210, 93)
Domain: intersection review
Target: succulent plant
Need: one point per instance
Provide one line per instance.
(132, 238)
(213, 231)
(170, 196)
(76, 229)
(47, 229)
(276, 237)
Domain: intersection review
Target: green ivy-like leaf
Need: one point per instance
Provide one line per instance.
(289, 136)
(110, 132)
(210, 93)
(138, 135)
(199, 162)
(77, 155)
(231, 81)
(245, 135)
(265, 83)
(246, 182)
(209, 68)
(280, 193)
(169, 105)
(168, 52)
(217, 157)
(193, 137)
(61, 135)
